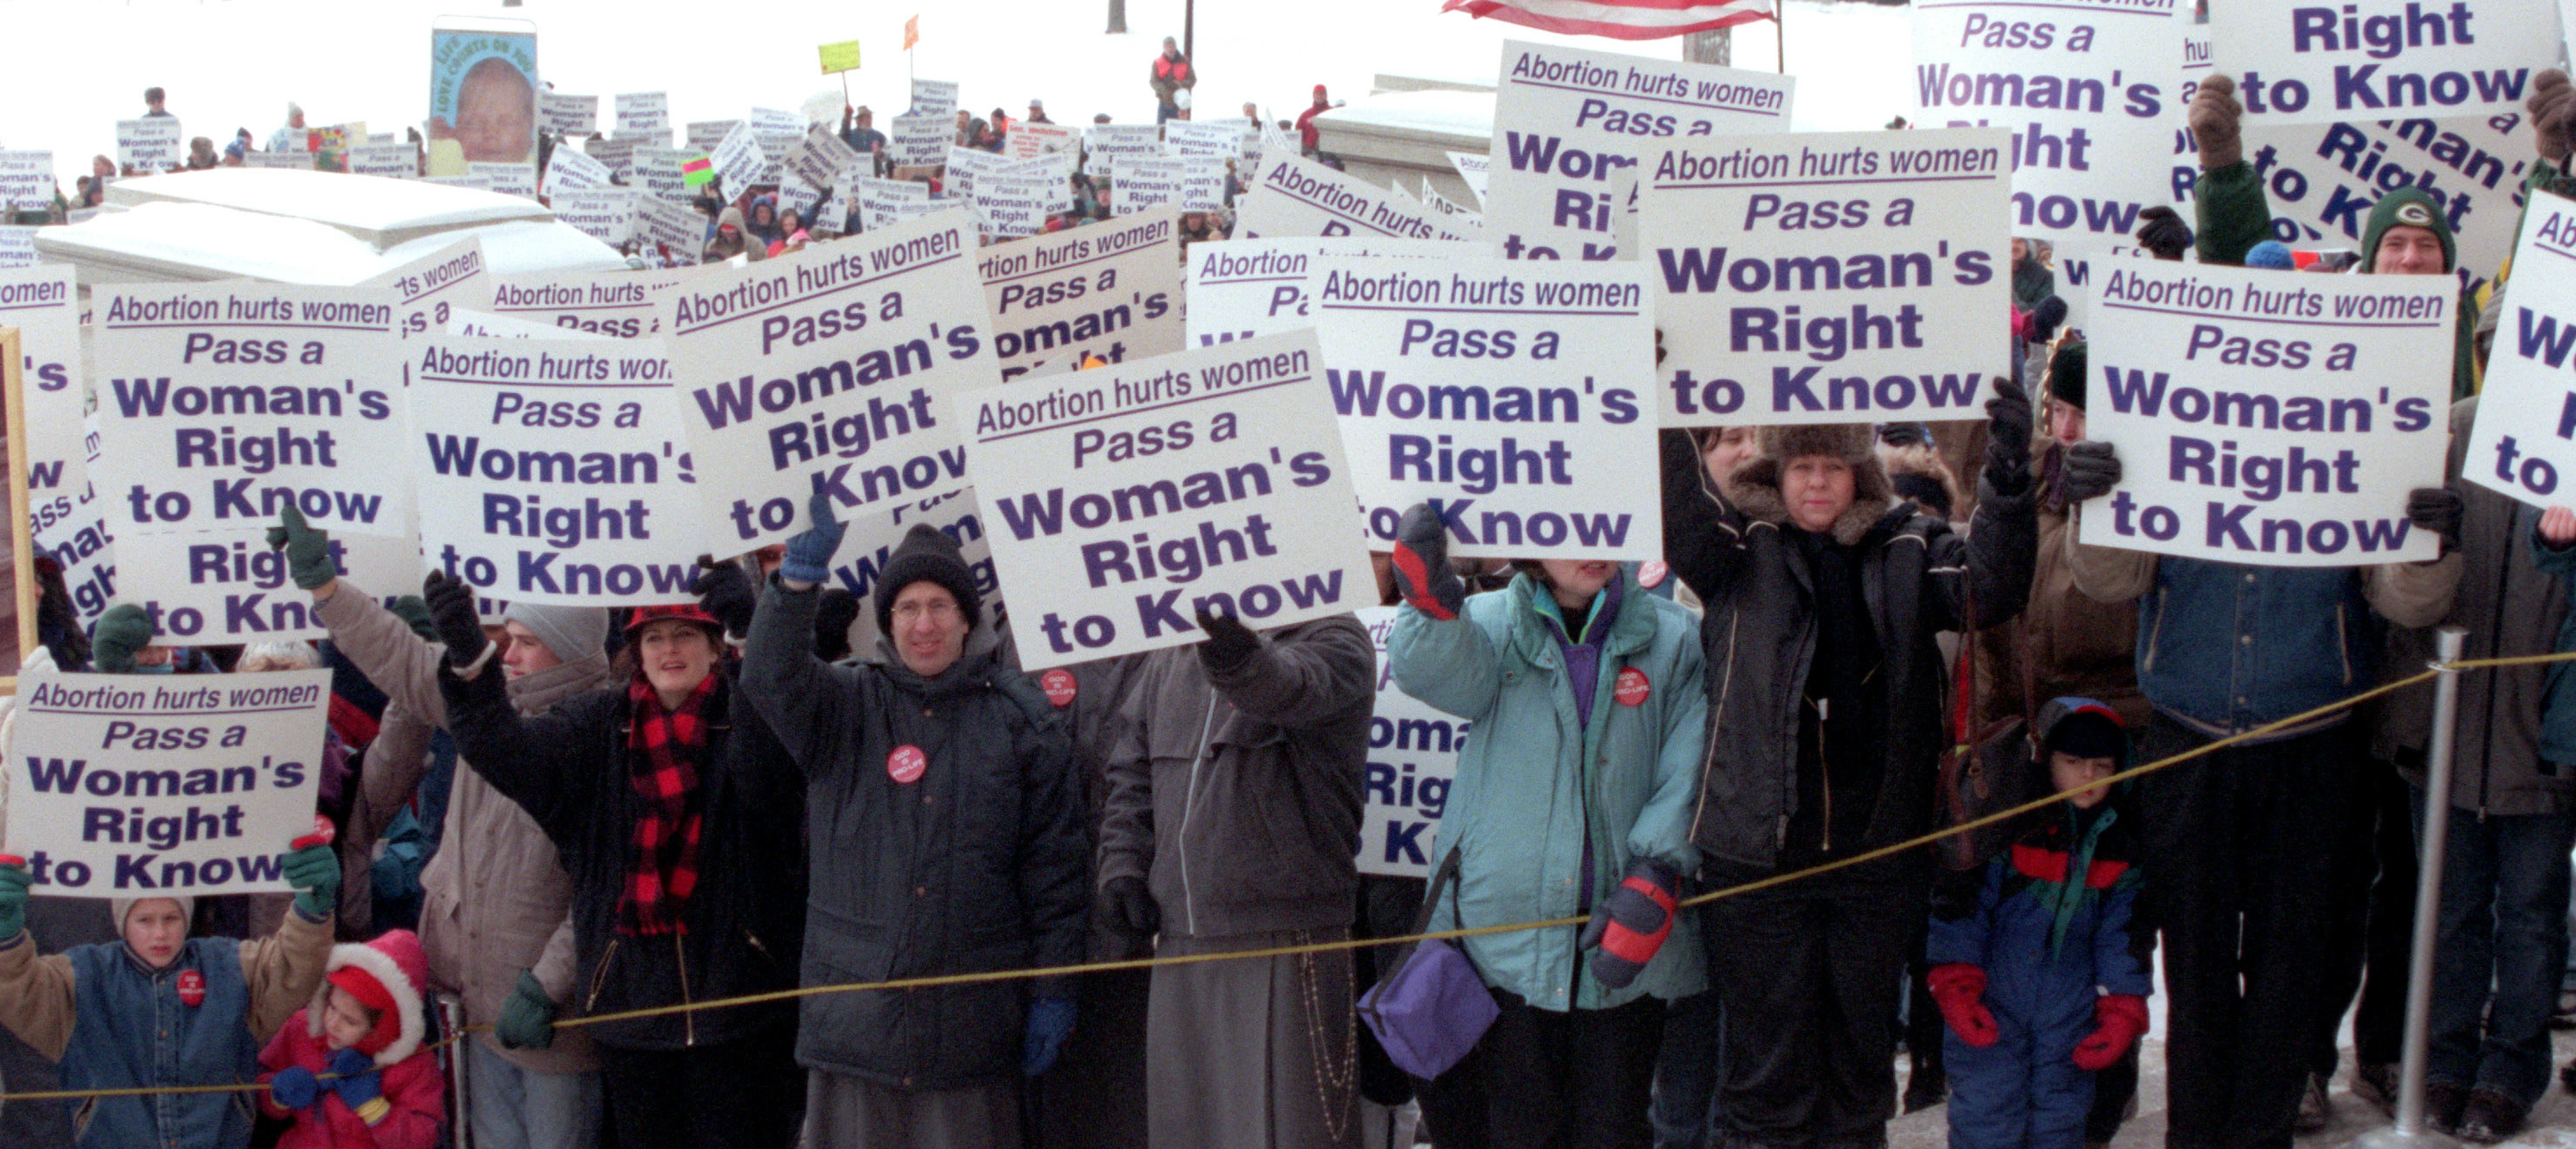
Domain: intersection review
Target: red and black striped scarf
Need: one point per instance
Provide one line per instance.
(669, 747)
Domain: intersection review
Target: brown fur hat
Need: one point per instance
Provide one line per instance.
(1755, 486)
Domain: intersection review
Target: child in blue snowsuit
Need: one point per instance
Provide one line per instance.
(2033, 971)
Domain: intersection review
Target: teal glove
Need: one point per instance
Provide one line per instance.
(527, 1016)
(809, 555)
(120, 633)
(308, 550)
(314, 871)
(414, 611)
(14, 880)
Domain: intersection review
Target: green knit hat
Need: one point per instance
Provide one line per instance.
(2413, 207)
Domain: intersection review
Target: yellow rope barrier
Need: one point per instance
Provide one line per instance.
(939, 980)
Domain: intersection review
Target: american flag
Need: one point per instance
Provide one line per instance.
(1619, 19)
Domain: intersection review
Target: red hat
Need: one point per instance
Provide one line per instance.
(388, 975)
(677, 611)
(1319, 89)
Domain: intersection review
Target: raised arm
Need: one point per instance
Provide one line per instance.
(1451, 664)
(1301, 676)
(1703, 535)
(811, 705)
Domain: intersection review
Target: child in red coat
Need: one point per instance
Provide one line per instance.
(364, 1029)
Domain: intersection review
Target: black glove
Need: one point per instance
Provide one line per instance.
(834, 614)
(460, 624)
(2008, 422)
(2437, 510)
(2091, 470)
(1131, 907)
(1229, 643)
(725, 592)
(1421, 564)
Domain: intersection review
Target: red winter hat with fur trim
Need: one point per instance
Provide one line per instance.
(389, 975)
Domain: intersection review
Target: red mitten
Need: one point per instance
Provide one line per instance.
(2119, 1020)
(1959, 989)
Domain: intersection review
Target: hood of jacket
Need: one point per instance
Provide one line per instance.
(1755, 486)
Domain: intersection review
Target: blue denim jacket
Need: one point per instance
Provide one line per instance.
(131, 1028)
(2226, 647)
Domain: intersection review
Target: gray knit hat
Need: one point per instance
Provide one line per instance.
(573, 633)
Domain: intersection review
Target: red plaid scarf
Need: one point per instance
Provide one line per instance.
(662, 866)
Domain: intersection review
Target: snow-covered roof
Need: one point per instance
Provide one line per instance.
(373, 208)
(1413, 129)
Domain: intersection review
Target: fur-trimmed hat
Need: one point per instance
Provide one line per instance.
(1755, 485)
(389, 975)
(1918, 473)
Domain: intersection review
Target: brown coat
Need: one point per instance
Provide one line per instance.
(282, 971)
(2073, 644)
(494, 899)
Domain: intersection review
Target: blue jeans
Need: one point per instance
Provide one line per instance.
(514, 1108)
(2502, 945)
(1686, 1073)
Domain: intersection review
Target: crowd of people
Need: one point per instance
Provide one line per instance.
(591, 831)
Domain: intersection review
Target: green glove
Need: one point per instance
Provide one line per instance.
(414, 611)
(527, 1016)
(14, 880)
(121, 632)
(314, 871)
(308, 550)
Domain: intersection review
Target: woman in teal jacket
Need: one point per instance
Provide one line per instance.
(1573, 797)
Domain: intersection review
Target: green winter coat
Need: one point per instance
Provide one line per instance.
(1534, 782)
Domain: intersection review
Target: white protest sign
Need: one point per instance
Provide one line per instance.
(43, 303)
(738, 159)
(489, 325)
(26, 180)
(820, 157)
(1111, 290)
(1299, 197)
(2323, 179)
(389, 161)
(1138, 494)
(1476, 170)
(1214, 139)
(918, 141)
(1027, 140)
(2524, 444)
(1571, 124)
(868, 542)
(150, 144)
(297, 162)
(478, 181)
(606, 214)
(1412, 760)
(615, 155)
(641, 114)
(1188, 183)
(2092, 92)
(656, 173)
(704, 135)
(122, 786)
(885, 203)
(779, 132)
(559, 114)
(678, 232)
(1829, 277)
(934, 99)
(2382, 59)
(1105, 144)
(226, 402)
(965, 164)
(2267, 417)
(826, 371)
(1510, 393)
(569, 170)
(552, 471)
(1240, 288)
(211, 587)
(17, 246)
(426, 289)
(1013, 205)
(795, 195)
(508, 179)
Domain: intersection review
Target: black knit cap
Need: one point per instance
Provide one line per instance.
(926, 555)
(2066, 371)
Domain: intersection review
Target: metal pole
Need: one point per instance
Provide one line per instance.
(451, 1015)
(1190, 33)
(2409, 1130)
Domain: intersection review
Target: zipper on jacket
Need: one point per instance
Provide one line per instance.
(2343, 644)
(688, 1017)
(756, 947)
(1825, 773)
(1189, 806)
(599, 976)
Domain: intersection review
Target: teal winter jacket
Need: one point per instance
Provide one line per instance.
(1535, 783)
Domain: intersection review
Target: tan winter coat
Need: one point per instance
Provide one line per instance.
(2075, 644)
(494, 900)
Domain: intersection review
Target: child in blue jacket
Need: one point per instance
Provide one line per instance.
(2033, 971)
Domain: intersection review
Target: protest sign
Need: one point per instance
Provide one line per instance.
(1105, 144)
(1475, 169)
(567, 116)
(919, 140)
(1214, 139)
(1510, 393)
(615, 155)
(26, 180)
(738, 159)
(2322, 180)
(151, 144)
(487, 325)
(1445, 206)
(826, 371)
(1570, 125)
(2378, 59)
(820, 157)
(43, 303)
(552, 471)
(1142, 493)
(1194, 183)
(389, 161)
(1829, 277)
(213, 587)
(2269, 418)
(1412, 760)
(964, 165)
(1240, 288)
(677, 232)
(606, 214)
(568, 170)
(1027, 140)
(868, 542)
(2092, 92)
(121, 786)
(2524, 444)
(778, 131)
(426, 289)
(508, 179)
(796, 195)
(645, 113)
(704, 135)
(17, 246)
(226, 402)
(482, 99)
(286, 161)
(841, 56)
(885, 203)
(1012, 205)
(1110, 290)
(657, 173)
(477, 181)
(934, 98)
(1300, 197)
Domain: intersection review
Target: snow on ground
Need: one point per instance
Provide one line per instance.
(235, 63)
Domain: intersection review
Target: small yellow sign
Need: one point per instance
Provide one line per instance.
(841, 57)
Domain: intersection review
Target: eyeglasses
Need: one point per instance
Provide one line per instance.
(937, 609)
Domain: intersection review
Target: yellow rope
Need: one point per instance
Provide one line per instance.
(937, 981)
